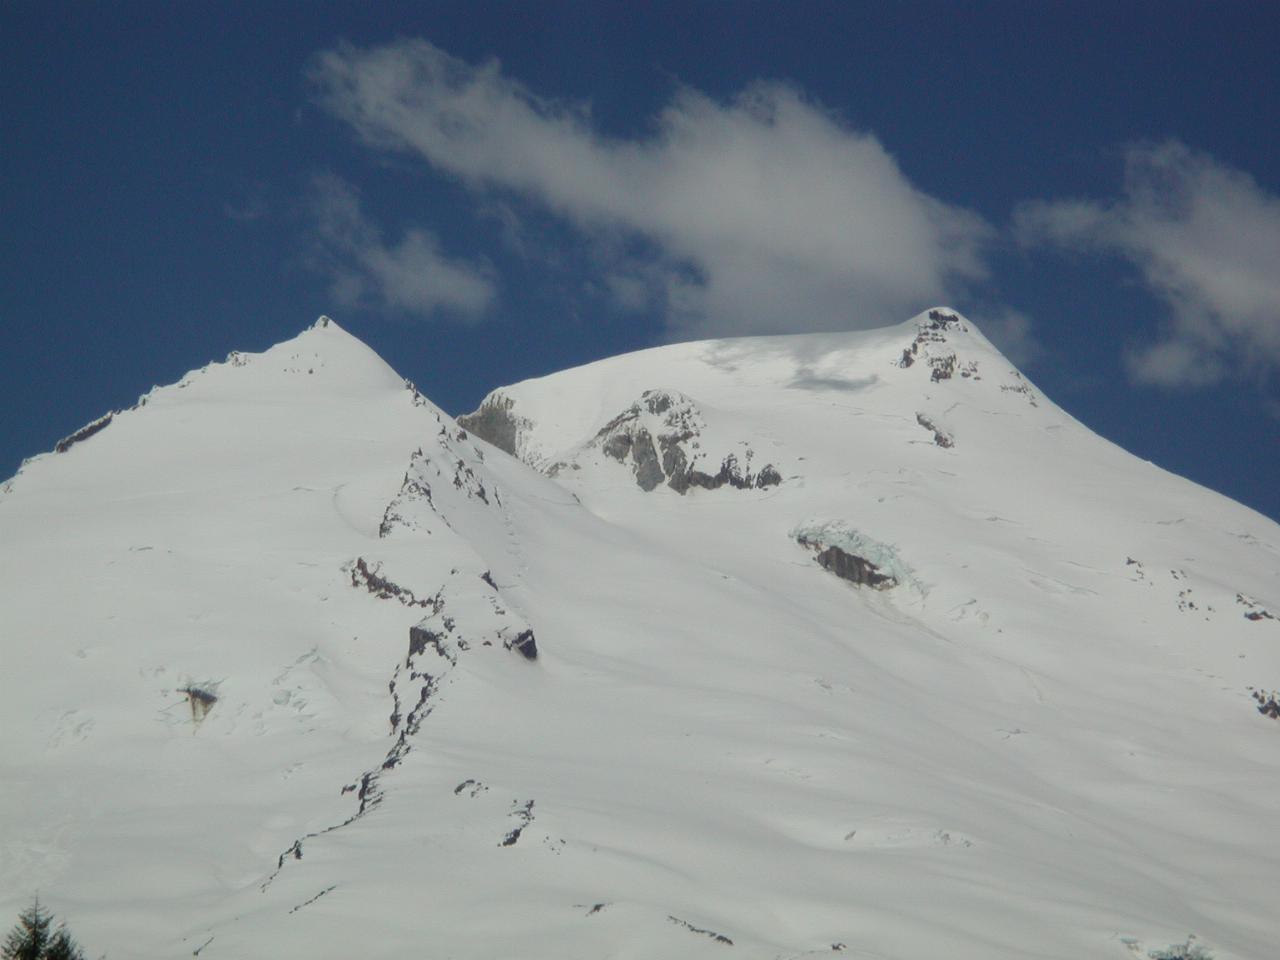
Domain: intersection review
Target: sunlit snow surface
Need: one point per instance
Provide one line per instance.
(1044, 746)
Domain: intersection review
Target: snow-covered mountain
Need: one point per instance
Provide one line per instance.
(758, 648)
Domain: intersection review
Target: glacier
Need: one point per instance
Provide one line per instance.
(293, 663)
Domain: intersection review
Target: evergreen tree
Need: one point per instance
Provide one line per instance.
(27, 941)
(62, 947)
(32, 938)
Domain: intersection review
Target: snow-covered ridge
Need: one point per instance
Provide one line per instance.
(545, 427)
(322, 360)
(286, 645)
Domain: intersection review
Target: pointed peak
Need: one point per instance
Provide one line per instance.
(330, 354)
(943, 318)
(326, 324)
(323, 354)
(946, 324)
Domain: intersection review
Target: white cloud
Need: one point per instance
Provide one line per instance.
(412, 276)
(1206, 239)
(765, 214)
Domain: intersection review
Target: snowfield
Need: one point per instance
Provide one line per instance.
(293, 664)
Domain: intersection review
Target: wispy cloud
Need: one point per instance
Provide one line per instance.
(411, 276)
(1206, 240)
(763, 214)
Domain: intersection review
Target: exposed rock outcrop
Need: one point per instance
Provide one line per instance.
(942, 367)
(930, 331)
(370, 578)
(853, 556)
(433, 652)
(848, 566)
(930, 339)
(661, 437)
(84, 433)
(523, 814)
(942, 438)
(440, 480)
(495, 422)
(524, 643)
(1268, 706)
(1253, 610)
(201, 698)
(1021, 388)
(445, 484)
(701, 931)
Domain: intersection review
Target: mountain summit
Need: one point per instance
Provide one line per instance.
(769, 647)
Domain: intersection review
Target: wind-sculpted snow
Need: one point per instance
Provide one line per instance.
(1055, 734)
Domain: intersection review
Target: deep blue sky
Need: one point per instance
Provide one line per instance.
(160, 163)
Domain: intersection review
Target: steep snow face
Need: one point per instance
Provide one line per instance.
(226, 615)
(294, 664)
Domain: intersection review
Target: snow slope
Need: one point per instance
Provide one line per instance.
(1039, 740)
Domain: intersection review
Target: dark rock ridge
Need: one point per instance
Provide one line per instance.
(701, 931)
(1020, 388)
(1268, 706)
(436, 484)
(495, 422)
(941, 437)
(416, 396)
(431, 656)
(847, 566)
(523, 814)
(1253, 610)
(417, 508)
(307, 903)
(435, 644)
(855, 569)
(524, 643)
(371, 579)
(933, 331)
(84, 433)
(471, 787)
(413, 487)
(661, 436)
(201, 699)
(934, 346)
